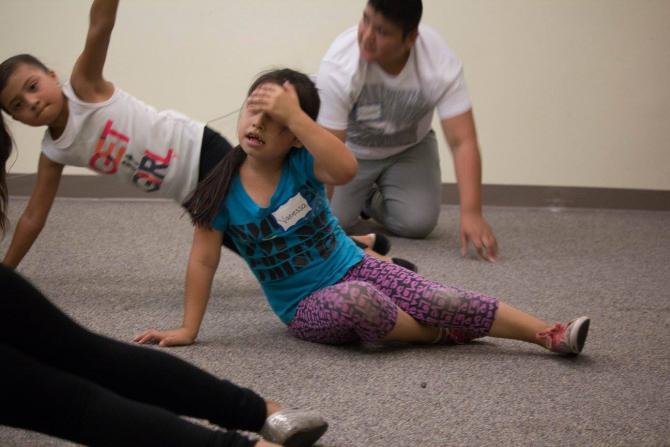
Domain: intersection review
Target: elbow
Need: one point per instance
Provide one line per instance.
(348, 172)
(101, 29)
(206, 261)
(32, 223)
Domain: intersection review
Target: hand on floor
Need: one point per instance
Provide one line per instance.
(174, 337)
(475, 230)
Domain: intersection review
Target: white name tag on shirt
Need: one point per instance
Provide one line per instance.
(369, 113)
(292, 211)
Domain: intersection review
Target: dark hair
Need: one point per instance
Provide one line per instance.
(204, 203)
(7, 68)
(404, 13)
(5, 152)
(307, 92)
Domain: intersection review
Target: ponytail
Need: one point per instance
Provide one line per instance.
(5, 152)
(204, 203)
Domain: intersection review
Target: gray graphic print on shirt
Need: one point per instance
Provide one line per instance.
(383, 117)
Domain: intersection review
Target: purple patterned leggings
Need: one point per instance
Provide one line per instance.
(364, 304)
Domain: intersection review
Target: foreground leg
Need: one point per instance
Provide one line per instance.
(35, 327)
(41, 398)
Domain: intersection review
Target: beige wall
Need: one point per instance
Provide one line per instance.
(565, 92)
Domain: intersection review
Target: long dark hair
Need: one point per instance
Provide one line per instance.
(5, 152)
(204, 203)
(7, 68)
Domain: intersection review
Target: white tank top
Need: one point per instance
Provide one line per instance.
(155, 151)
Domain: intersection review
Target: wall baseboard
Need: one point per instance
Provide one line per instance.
(93, 186)
(566, 197)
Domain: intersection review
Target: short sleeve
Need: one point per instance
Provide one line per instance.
(455, 99)
(442, 72)
(333, 91)
(302, 165)
(220, 222)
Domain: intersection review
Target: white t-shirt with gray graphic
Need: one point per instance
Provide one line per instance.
(384, 114)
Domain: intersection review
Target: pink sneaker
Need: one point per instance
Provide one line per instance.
(568, 338)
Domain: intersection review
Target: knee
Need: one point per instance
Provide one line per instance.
(413, 224)
(361, 304)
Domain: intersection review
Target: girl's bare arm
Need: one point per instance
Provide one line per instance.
(32, 220)
(87, 79)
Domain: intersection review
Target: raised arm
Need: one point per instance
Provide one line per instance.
(334, 164)
(202, 264)
(32, 220)
(342, 136)
(87, 80)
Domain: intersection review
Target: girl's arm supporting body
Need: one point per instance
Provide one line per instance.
(34, 217)
(202, 264)
(89, 85)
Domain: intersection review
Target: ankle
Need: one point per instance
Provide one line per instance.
(440, 335)
(549, 337)
(272, 407)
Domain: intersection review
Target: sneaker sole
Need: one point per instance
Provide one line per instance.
(582, 333)
(306, 438)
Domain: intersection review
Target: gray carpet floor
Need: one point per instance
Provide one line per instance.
(118, 267)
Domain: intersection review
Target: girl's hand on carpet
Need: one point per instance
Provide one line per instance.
(174, 337)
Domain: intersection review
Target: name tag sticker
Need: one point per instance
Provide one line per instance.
(369, 113)
(292, 211)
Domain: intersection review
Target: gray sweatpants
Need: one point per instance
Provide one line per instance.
(404, 191)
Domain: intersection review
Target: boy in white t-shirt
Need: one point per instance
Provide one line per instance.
(379, 84)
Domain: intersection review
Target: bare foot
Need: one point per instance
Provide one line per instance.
(264, 443)
(367, 239)
(272, 407)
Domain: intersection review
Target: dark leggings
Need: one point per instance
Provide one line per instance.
(60, 379)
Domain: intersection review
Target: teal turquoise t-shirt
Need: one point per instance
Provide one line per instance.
(294, 246)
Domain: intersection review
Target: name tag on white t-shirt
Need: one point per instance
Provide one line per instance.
(369, 113)
(292, 211)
